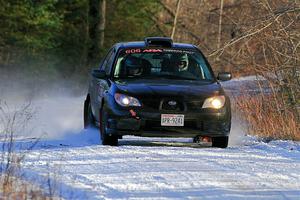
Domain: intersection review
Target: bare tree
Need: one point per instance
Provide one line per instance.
(220, 23)
(258, 37)
(101, 24)
(175, 18)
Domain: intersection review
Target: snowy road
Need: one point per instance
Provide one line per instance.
(167, 169)
(71, 162)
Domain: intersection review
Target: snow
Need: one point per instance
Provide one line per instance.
(155, 168)
(70, 162)
(251, 84)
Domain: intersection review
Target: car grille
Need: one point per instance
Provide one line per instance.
(165, 105)
(156, 104)
(152, 103)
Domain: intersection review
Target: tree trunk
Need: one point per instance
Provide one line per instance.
(96, 29)
(220, 23)
(85, 51)
(175, 19)
(101, 24)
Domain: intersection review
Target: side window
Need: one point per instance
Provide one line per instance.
(103, 64)
(110, 60)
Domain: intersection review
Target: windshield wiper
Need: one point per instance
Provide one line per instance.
(173, 76)
(137, 77)
(167, 76)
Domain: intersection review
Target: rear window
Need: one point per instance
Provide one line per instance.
(162, 63)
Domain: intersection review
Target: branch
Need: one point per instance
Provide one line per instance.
(168, 9)
(234, 41)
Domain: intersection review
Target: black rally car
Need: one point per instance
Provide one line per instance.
(157, 88)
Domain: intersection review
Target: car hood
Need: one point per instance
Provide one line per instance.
(169, 88)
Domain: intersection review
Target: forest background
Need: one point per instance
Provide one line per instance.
(55, 44)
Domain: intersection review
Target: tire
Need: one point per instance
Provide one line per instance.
(89, 120)
(106, 139)
(220, 142)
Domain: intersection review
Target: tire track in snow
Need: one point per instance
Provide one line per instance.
(245, 172)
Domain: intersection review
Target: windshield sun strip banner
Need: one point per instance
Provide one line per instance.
(139, 50)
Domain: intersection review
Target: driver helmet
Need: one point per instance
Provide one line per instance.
(133, 66)
(182, 61)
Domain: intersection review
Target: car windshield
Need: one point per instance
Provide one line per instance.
(162, 64)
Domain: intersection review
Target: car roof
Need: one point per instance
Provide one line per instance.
(142, 44)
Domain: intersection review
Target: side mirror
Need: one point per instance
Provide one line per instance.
(224, 76)
(97, 73)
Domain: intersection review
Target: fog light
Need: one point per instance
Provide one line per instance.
(200, 139)
(205, 139)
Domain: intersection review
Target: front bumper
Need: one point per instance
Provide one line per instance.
(204, 122)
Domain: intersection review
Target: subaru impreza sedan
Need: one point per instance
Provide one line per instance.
(157, 88)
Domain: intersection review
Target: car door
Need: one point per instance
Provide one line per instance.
(101, 86)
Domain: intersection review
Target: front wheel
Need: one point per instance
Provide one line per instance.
(220, 142)
(105, 138)
(89, 120)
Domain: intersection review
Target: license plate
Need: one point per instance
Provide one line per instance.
(172, 120)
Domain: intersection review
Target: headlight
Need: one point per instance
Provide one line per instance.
(216, 102)
(124, 100)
